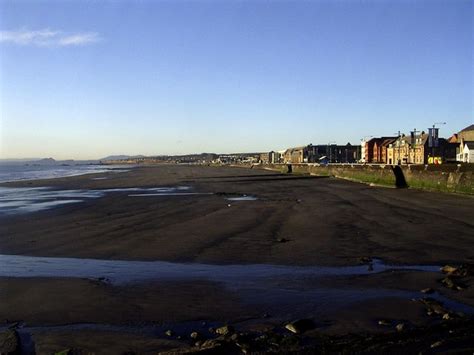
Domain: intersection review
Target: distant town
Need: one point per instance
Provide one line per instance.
(417, 147)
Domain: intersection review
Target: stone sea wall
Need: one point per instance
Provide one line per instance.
(447, 178)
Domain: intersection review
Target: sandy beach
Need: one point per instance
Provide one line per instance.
(286, 220)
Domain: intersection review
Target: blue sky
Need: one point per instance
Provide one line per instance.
(85, 79)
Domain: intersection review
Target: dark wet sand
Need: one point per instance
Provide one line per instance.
(327, 222)
(102, 343)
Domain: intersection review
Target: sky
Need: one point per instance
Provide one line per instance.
(87, 79)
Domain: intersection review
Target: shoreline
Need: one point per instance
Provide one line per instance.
(105, 170)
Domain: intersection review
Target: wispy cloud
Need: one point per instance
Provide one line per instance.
(48, 38)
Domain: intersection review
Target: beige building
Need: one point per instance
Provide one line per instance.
(401, 151)
(294, 155)
(404, 151)
(466, 134)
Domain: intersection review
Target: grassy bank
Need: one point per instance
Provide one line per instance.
(443, 178)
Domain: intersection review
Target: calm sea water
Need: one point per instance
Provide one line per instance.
(15, 172)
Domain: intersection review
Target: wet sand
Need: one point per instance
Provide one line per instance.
(296, 220)
(327, 221)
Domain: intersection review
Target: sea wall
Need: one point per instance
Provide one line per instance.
(448, 177)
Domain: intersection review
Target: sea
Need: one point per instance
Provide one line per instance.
(14, 200)
(14, 172)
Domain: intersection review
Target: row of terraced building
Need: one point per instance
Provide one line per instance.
(420, 149)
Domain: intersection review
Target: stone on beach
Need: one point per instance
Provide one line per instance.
(300, 326)
(447, 316)
(9, 342)
(448, 269)
(433, 306)
(450, 283)
(225, 330)
(195, 335)
(400, 327)
(436, 344)
(459, 271)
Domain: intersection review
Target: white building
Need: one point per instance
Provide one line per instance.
(466, 152)
(363, 144)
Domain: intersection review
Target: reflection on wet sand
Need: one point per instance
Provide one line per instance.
(14, 200)
(272, 285)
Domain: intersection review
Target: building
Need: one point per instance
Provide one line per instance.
(383, 149)
(416, 150)
(344, 153)
(463, 137)
(377, 150)
(467, 134)
(362, 151)
(367, 151)
(265, 158)
(274, 157)
(313, 153)
(294, 155)
(466, 152)
(298, 154)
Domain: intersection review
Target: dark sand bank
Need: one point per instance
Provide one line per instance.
(102, 342)
(59, 301)
(296, 220)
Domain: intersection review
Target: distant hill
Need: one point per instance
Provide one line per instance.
(20, 160)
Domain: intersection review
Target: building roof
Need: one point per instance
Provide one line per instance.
(453, 138)
(380, 139)
(292, 149)
(407, 139)
(388, 141)
(468, 128)
(470, 144)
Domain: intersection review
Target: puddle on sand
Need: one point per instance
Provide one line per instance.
(242, 198)
(276, 289)
(15, 200)
(125, 271)
(170, 194)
